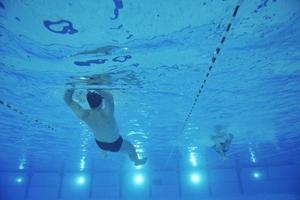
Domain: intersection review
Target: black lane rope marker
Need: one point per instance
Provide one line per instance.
(211, 64)
(12, 108)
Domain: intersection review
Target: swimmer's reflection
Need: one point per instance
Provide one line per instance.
(104, 50)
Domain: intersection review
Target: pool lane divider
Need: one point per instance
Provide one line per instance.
(212, 62)
(209, 69)
(14, 109)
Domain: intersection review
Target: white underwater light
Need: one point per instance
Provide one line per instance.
(256, 175)
(80, 180)
(19, 180)
(195, 178)
(138, 179)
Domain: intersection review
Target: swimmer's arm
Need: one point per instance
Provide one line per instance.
(109, 100)
(75, 107)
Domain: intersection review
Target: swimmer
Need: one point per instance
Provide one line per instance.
(221, 144)
(100, 119)
(221, 141)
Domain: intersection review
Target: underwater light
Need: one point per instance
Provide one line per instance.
(138, 179)
(256, 175)
(195, 178)
(81, 180)
(19, 180)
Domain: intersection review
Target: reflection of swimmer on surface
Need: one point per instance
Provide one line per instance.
(107, 79)
(105, 50)
(100, 119)
(96, 79)
(221, 141)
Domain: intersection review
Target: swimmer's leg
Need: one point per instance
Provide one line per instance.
(228, 142)
(220, 150)
(128, 148)
(224, 147)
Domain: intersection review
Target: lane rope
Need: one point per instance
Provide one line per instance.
(210, 66)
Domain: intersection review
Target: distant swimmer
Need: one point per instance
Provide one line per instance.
(221, 141)
(105, 50)
(100, 119)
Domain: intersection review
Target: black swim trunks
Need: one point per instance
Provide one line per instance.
(112, 146)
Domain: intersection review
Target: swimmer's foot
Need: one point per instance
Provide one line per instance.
(140, 162)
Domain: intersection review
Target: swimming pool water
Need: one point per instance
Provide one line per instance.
(153, 56)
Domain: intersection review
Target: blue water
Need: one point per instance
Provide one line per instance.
(153, 56)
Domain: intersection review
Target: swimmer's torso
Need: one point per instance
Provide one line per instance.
(103, 125)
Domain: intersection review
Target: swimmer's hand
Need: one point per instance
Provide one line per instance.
(68, 96)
